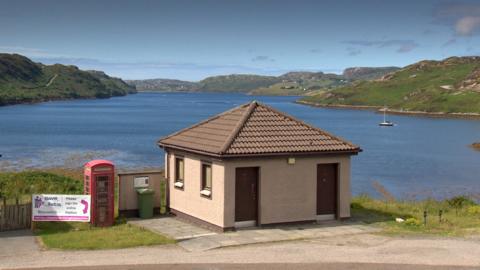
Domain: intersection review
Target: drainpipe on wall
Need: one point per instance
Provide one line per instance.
(167, 183)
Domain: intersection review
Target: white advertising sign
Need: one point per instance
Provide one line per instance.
(54, 207)
(140, 181)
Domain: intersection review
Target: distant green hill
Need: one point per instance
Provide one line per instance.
(240, 83)
(167, 85)
(291, 83)
(307, 83)
(24, 81)
(367, 73)
(450, 86)
(301, 83)
(235, 83)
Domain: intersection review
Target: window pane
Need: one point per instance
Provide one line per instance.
(208, 177)
(179, 169)
(182, 169)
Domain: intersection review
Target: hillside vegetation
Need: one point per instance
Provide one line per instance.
(367, 73)
(235, 83)
(301, 83)
(24, 81)
(238, 83)
(450, 86)
(19, 186)
(291, 83)
(167, 85)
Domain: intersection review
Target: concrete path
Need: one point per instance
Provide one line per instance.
(274, 234)
(172, 227)
(17, 243)
(194, 238)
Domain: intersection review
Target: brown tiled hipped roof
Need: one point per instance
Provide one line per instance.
(255, 129)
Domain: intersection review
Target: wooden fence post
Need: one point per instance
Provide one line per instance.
(14, 217)
(3, 216)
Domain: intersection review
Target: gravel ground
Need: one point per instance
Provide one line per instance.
(366, 248)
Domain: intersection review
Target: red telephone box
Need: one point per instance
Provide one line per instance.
(99, 182)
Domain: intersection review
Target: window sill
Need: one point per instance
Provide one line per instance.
(206, 193)
(178, 185)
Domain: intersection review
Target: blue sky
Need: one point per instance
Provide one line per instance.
(193, 39)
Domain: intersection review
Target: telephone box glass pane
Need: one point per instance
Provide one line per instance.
(102, 184)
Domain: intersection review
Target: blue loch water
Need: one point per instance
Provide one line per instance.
(419, 157)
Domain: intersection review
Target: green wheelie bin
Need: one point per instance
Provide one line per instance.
(145, 202)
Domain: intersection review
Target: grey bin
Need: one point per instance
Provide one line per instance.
(145, 202)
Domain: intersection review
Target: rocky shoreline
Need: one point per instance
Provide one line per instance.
(397, 112)
(45, 100)
(476, 146)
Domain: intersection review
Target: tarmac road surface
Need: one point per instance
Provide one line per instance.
(366, 251)
(266, 266)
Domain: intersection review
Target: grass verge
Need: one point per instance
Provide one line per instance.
(460, 216)
(79, 236)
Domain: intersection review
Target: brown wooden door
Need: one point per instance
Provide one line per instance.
(246, 193)
(326, 189)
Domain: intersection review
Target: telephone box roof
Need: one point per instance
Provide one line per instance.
(96, 162)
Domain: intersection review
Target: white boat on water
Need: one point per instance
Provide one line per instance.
(385, 122)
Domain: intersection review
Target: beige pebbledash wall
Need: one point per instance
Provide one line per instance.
(189, 200)
(288, 192)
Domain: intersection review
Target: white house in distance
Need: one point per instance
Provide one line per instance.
(254, 165)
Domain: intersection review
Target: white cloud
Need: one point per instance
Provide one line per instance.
(402, 45)
(263, 58)
(353, 51)
(467, 25)
(449, 42)
(464, 18)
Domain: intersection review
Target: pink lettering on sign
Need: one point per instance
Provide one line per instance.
(60, 218)
(85, 206)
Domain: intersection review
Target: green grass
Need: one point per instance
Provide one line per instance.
(463, 221)
(80, 236)
(414, 88)
(298, 89)
(19, 186)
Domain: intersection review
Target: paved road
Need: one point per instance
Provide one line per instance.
(17, 244)
(364, 251)
(302, 266)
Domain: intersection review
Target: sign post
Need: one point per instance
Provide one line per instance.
(55, 207)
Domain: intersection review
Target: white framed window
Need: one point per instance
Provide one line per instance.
(206, 185)
(179, 172)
